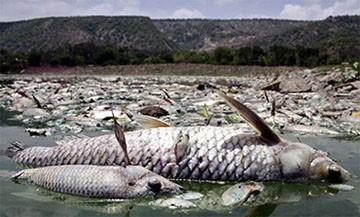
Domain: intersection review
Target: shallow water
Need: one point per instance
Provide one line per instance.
(278, 199)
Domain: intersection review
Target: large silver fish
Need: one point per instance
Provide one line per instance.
(99, 181)
(199, 153)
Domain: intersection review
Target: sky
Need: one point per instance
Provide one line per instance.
(11, 10)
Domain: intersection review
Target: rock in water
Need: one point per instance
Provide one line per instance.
(289, 85)
(36, 112)
(294, 85)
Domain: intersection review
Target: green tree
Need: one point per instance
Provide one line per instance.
(223, 55)
(34, 58)
(106, 56)
(282, 55)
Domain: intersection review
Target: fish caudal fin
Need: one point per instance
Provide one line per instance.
(14, 148)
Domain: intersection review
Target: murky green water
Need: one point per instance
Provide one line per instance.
(278, 199)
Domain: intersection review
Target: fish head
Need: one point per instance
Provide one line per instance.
(302, 162)
(145, 182)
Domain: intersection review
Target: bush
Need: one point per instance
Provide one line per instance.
(34, 58)
(223, 55)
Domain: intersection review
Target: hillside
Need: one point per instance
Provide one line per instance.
(338, 35)
(204, 34)
(49, 33)
(142, 33)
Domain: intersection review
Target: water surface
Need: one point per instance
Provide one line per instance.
(279, 199)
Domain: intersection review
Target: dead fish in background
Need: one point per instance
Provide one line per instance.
(99, 181)
(207, 153)
(241, 193)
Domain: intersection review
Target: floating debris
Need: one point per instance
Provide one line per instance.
(173, 203)
(342, 187)
(154, 111)
(40, 131)
(241, 193)
(304, 99)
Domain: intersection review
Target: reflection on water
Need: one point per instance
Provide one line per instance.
(277, 199)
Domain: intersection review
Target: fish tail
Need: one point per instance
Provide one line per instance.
(14, 148)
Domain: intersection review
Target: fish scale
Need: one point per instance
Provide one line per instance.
(212, 153)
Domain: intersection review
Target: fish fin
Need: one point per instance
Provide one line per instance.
(17, 174)
(14, 148)
(252, 119)
(38, 104)
(166, 97)
(181, 146)
(120, 137)
(70, 138)
(150, 122)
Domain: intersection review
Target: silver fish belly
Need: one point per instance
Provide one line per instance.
(201, 153)
(99, 181)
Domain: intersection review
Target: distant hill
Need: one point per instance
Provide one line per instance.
(142, 33)
(49, 33)
(205, 34)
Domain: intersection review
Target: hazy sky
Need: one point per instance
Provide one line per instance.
(291, 9)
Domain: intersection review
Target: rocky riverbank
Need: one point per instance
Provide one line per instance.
(303, 101)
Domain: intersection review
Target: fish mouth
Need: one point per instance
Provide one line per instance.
(338, 174)
(173, 190)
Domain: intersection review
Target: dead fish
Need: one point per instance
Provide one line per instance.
(99, 181)
(342, 187)
(240, 193)
(173, 203)
(206, 153)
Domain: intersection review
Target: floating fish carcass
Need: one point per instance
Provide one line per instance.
(199, 153)
(99, 181)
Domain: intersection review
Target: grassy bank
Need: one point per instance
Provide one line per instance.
(164, 69)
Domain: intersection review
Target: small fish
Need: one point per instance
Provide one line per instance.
(240, 193)
(99, 181)
(342, 187)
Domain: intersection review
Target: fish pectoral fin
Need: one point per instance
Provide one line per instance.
(150, 122)
(18, 174)
(252, 119)
(181, 146)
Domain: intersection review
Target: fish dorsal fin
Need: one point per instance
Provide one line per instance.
(120, 137)
(150, 122)
(253, 119)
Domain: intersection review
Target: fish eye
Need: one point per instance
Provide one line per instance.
(334, 173)
(155, 185)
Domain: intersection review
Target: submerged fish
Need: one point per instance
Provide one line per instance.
(99, 181)
(200, 153)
